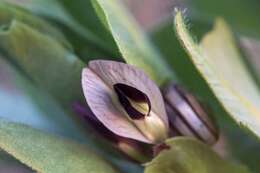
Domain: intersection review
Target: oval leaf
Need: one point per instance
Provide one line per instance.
(35, 50)
(49, 65)
(47, 154)
(84, 13)
(79, 23)
(184, 155)
(38, 54)
(220, 64)
(10, 12)
(21, 95)
(133, 43)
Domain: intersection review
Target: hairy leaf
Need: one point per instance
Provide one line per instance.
(220, 65)
(184, 155)
(190, 78)
(47, 154)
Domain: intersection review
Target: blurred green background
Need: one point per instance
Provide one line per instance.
(23, 101)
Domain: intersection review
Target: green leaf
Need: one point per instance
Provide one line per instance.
(38, 54)
(47, 154)
(85, 14)
(218, 61)
(244, 18)
(133, 43)
(88, 43)
(190, 78)
(190, 156)
(36, 50)
(46, 114)
(165, 39)
(54, 69)
(9, 12)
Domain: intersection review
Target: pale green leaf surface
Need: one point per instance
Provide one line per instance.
(84, 13)
(36, 50)
(54, 69)
(18, 94)
(79, 23)
(87, 41)
(190, 156)
(133, 43)
(9, 12)
(226, 60)
(48, 154)
(39, 55)
(220, 64)
(191, 79)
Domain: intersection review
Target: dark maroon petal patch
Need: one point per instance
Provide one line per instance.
(124, 93)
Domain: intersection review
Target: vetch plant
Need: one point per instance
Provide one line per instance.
(130, 105)
(125, 100)
(168, 104)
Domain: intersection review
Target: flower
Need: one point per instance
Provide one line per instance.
(131, 149)
(125, 101)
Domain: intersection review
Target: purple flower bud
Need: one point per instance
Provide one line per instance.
(132, 149)
(125, 101)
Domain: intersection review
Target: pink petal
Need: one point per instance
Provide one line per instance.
(98, 81)
(115, 72)
(97, 96)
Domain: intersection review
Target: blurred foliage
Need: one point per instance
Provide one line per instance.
(48, 53)
(21, 95)
(28, 44)
(89, 20)
(33, 46)
(47, 153)
(218, 60)
(82, 27)
(171, 48)
(189, 150)
(242, 15)
(133, 43)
